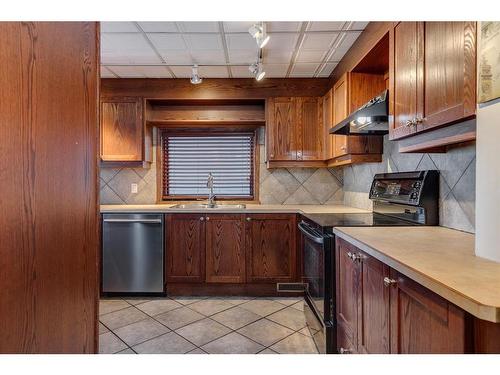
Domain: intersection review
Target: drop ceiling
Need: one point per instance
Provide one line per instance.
(223, 49)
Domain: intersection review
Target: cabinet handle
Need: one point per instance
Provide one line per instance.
(207, 218)
(202, 218)
(354, 257)
(248, 219)
(344, 351)
(389, 282)
(419, 120)
(343, 148)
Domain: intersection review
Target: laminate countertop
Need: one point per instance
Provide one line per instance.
(250, 208)
(440, 259)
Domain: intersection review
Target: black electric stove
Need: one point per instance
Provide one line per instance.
(399, 199)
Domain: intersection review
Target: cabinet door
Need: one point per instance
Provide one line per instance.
(348, 287)
(185, 248)
(328, 124)
(340, 112)
(271, 248)
(281, 129)
(121, 130)
(447, 80)
(373, 322)
(310, 140)
(404, 51)
(225, 252)
(423, 322)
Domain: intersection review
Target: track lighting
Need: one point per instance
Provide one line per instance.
(257, 70)
(258, 32)
(195, 77)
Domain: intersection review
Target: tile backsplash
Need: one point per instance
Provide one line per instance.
(457, 181)
(349, 185)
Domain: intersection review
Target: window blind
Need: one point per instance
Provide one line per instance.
(188, 159)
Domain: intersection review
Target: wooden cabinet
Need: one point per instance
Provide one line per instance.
(348, 288)
(328, 124)
(294, 132)
(271, 248)
(340, 112)
(433, 76)
(124, 137)
(423, 322)
(185, 248)
(281, 129)
(381, 311)
(225, 248)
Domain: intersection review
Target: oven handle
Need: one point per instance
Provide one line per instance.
(304, 228)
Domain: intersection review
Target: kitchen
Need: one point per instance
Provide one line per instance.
(250, 187)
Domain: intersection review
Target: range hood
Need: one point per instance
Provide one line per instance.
(371, 118)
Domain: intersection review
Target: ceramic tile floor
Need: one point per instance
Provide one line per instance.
(199, 325)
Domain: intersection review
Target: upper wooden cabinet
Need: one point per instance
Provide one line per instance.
(124, 138)
(432, 74)
(340, 112)
(328, 123)
(294, 132)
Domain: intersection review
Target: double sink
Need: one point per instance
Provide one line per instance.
(203, 206)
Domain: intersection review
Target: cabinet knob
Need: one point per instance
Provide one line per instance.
(409, 123)
(207, 218)
(388, 281)
(354, 257)
(248, 219)
(343, 148)
(202, 218)
(344, 351)
(272, 155)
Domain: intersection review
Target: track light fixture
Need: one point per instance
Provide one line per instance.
(257, 70)
(258, 32)
(195, 77)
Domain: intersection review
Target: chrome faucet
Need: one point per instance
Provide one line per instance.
(211, 195)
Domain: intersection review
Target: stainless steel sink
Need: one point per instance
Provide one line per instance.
(205, 206)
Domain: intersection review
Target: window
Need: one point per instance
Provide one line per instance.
(188, 158)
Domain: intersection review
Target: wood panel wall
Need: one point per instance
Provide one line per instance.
(49, 202)
(213, 88)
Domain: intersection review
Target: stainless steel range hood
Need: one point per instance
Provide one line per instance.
(371, 118)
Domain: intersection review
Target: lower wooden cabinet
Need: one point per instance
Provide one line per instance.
(185, 248)
(210, 248)
(225, 249)
(423, 322)
(271, 248)
(381, 311)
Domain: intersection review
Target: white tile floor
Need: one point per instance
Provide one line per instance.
(199, 325)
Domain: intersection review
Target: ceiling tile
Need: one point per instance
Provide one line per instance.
(237, 27)
(303, 70)
(311, 56)
(214, 71)
(197, 27)
(118, 27)
(167, 41)
(208, 57)
(276, 70)
(326, 26)
(203, 41)
(106, 73)
(344, 46)
(141, 71)
(159, 27)
(277, 56)
(358, 25)
(282, 42)
(181, 71)
(242, 57)
(319, 41)
(327, 70)
(241, 72)
(282, 26)
(240, 42)
(126, 48)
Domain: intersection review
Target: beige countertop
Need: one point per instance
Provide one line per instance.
(250, 208)
(440, 259)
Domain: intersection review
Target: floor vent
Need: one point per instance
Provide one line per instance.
(290, 287)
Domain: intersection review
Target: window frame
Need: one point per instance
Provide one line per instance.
(162, 132)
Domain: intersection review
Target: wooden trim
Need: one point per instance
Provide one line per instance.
(296, 164)
(205, 123)
(229, 289)
(353, 159)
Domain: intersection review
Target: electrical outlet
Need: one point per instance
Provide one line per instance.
(133, 188)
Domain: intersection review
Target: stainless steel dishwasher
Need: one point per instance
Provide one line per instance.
(132, 253)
